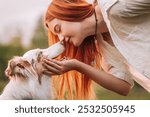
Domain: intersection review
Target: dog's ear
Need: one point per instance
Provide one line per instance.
(9, 69)
(32, 70)
(38, 66)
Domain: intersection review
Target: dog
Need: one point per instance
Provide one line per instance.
(26, 78)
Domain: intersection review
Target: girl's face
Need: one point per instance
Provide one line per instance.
(70, 32)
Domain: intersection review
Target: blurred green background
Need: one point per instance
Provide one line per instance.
(39, 40)
(137, 93)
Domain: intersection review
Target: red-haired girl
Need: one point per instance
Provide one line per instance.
(91, 54)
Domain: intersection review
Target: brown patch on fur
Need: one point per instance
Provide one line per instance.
(39, 67)
(21, 64)
(24, 65)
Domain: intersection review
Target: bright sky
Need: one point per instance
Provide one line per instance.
(22, 16)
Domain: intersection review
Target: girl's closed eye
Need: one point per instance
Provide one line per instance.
(57, 28)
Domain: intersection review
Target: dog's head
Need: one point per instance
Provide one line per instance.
(29, 65)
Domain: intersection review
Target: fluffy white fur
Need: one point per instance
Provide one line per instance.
(26, 79)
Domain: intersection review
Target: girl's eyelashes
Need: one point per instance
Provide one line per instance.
(57, 28)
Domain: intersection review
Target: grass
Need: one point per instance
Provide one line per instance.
(2, 85)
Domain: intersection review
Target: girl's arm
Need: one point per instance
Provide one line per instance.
(104, 79)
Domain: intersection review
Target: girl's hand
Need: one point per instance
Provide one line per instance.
(57, 67)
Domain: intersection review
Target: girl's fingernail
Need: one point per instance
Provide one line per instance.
(50, 59)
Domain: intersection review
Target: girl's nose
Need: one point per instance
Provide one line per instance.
(61, 37)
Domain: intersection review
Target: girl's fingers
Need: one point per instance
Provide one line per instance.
(51, 68)
(53, 63)
(57, 62)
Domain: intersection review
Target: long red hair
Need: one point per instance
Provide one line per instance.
(73, 85)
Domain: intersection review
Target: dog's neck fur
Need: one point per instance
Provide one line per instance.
(28, 89)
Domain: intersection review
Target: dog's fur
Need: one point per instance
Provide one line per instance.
(26, 79)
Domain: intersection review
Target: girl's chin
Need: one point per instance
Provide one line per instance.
(76, 44)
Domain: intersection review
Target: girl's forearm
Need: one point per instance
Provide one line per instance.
(104, 79)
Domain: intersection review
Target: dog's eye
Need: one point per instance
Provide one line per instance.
(20, 65)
